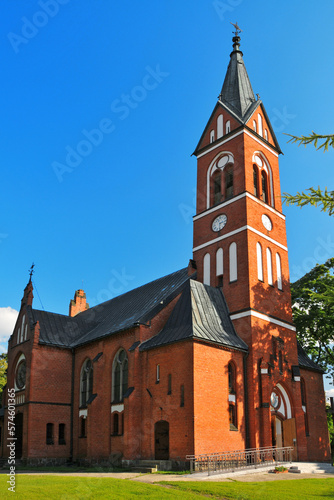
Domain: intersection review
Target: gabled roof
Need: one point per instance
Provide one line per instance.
(305, 362)
(125, 311)
(200, 313)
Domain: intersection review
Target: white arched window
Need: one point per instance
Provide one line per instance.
(228, 126)
(86, 382)
(220, 130)
(266, 134)
(254, 125)
(212, 135)
(259, 261)
(219, 262)
(119, 376)
(206, 269)
(259, 122)
(233, 262)
(26, 332)
(279, 271)
(269, 267)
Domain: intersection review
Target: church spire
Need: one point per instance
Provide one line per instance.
(237, 93)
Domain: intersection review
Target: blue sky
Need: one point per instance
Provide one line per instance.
(146, 75)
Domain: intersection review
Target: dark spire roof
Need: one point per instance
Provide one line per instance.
(237, 93)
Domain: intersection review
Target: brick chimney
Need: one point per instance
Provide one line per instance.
(79, 303)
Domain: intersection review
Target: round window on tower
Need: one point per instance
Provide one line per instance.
(20, 378)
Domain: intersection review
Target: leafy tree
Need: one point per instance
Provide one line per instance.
(313, 314)
(3, 373)
(314, 196)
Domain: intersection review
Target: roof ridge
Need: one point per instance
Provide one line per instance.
(130, 291)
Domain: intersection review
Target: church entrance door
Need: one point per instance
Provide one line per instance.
(18, 434)
(289, 433)
(161, 439)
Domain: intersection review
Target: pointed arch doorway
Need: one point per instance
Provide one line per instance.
(283, 425)
(161, 440)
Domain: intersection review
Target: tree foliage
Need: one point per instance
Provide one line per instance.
(313, 196)
(313, 314)
(313, 139)
(3, 372)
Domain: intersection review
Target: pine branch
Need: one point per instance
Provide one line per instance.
(313, 139)
(316, 197)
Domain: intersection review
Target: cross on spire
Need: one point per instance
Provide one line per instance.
(31, 271)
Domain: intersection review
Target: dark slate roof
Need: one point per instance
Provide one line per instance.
(237, 96)
(57, 329)
(200, 313)
(123, 312)
(305, 362)
(237, 92)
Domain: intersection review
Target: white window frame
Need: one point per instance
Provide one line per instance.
(233, 261)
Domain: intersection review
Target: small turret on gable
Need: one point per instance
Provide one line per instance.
(78, 304)
(28, 295)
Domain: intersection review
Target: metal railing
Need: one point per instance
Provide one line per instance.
(229, 461)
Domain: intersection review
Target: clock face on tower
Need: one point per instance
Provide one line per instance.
(267, 222)
(219, 222)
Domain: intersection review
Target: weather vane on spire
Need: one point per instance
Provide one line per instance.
(31, 270)
(237, 29)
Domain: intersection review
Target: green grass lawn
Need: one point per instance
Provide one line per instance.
(271, 490)
(84, 488)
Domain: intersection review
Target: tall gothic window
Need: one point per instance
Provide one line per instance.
(259, 122)
(231, 379)
(119, 376)
(264, 187)
(220, 130)
(233, 264)
(206, 269)
(217, 195)
(279, 272)
(259, 261)
(255, 181)
(269, 267)
(49, 434)
(86, 382)
(229, 182)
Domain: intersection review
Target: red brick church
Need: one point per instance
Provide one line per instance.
(200, 361)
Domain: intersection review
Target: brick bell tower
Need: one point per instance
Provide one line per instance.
(240, 246)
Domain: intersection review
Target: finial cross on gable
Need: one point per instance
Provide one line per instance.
(31, 270)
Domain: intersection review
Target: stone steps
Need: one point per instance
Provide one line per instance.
(150, 466)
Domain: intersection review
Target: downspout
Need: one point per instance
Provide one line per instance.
(72, 407)
(246, 400)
